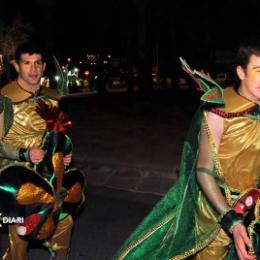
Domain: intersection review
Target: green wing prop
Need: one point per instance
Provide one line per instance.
(63, 89)
(7, 109)
(213, 91)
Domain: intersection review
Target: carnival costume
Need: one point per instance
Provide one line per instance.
(44, 194)
(184, 222)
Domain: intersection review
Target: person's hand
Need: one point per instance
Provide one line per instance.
(67, 159)
(242, 241)
(36, 154)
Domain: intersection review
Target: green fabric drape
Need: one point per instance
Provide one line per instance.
(7, 110)
(7, 150)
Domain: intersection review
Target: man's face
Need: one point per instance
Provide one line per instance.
(30, 68)
(250, 79)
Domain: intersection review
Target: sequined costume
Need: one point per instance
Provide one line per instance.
(184, 224)
(27, 188)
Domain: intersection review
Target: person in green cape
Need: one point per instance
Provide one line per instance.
(213, 210)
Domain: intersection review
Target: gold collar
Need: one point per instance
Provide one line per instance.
(15, 92)
(234, 102)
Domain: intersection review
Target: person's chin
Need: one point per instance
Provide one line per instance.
(34, 82)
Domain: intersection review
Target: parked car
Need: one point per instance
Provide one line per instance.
(117, 75)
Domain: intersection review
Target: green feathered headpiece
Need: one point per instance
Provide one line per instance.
(213, 91)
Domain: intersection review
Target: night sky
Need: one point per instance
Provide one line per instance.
(158, 31)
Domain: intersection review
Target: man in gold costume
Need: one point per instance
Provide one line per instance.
(199, 218)
(22, 133)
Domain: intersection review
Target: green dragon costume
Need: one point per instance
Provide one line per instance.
(183, 223)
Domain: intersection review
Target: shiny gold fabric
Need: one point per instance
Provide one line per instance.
(61, 237)
(15, 92)
(60, 240)
(18, 95)
(29, 194)
(206, 217)
(47, 228)
(17, 246)
(238, 152)
(234, 102)
(28, 127)
(216, 250)
(74, 193)
(58, 166)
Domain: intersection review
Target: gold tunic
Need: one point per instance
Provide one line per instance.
(240, 146)
(28, 128)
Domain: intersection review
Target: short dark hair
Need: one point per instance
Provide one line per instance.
(244, 53)
(30, 48)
